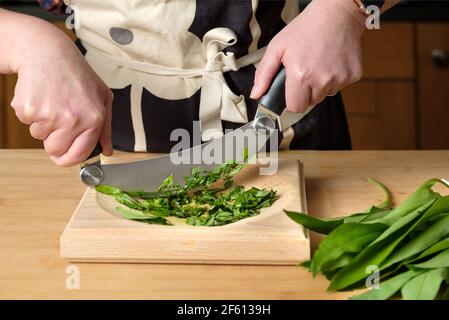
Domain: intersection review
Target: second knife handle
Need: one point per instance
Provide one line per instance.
(274, 99)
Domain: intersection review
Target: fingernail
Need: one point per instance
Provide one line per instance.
(254, 91)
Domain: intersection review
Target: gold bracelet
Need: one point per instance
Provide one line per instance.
(362, 7)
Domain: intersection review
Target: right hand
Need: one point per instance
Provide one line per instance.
(64, 102)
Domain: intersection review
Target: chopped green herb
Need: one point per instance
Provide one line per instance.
(195, 201)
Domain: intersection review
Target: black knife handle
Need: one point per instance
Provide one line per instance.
(274, 99)
(96, 152)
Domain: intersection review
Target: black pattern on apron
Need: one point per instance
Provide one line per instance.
(268, 15)
(122, 124)
(161, 117)
(325, 127)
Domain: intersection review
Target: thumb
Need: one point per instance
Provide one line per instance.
(105, 138)
(267, 69)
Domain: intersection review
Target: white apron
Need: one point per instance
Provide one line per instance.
(147, 44)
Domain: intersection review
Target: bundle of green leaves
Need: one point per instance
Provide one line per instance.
(201, 201)
(408, 245)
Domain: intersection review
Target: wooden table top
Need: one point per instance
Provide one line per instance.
(38, 198)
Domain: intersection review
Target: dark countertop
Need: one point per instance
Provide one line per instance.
(408, 10)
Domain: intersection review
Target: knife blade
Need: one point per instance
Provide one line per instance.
(148, 174)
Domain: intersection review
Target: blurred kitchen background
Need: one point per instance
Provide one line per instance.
(401, 103)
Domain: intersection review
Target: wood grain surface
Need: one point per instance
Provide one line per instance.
(37, 200)
(97, 233)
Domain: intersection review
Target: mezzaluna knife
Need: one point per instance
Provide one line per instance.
(147, 175)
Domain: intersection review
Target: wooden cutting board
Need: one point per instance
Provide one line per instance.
(96, 235)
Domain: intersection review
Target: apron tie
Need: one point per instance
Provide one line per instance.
(218, 102)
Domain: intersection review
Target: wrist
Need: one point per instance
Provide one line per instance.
(38, 41)
(351, 11)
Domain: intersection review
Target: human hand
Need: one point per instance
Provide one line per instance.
(63, 101)
(320, 50)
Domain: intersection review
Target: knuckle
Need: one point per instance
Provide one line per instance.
(325, 83)
(29, 110)
(97, 119)
(343, 77)
(24, 112)
(20, 115)
(302, 75)
(71, 119)
(38, 135)
(54, 150)
(109, 94)
(48, 114)
(357, 73)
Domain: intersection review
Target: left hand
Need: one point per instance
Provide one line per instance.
(320, 50)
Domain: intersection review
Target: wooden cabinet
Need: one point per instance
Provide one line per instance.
(381, 108)
(381, 115)
(402, 101)
(2, 113)
(433, 49)
(389, 53)
(16, 134)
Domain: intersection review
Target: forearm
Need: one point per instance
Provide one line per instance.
(22, 37)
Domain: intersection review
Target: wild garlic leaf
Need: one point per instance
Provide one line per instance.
(167, 183)
(420, 242)
(423, 194)
(441, 260)
(108, 190)
(374, 215)
(388, 288)
(338, 263)
(378, 250)
(414, 230)
(424, 286)
(347, 238)
(314, 224)
(441, 206)
(326, 226)
(128, 201)
(388, 202)
(440, 246)
(132, 214)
